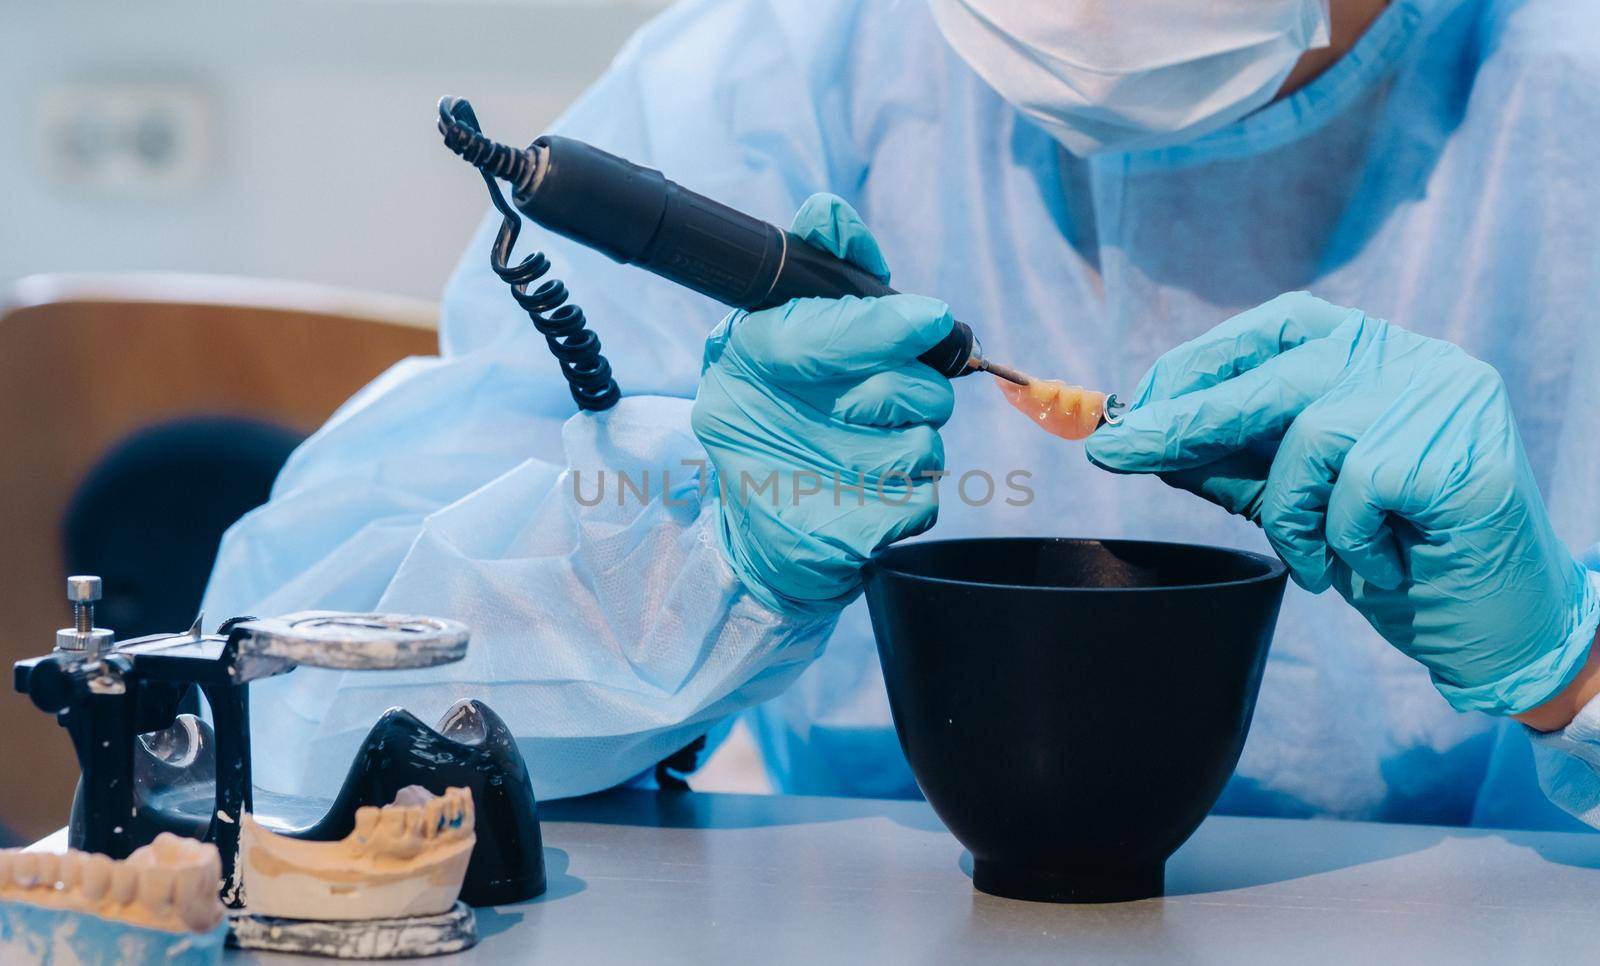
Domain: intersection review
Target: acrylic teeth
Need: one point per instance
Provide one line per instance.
(25, 870)
(366, 820)
(403, 829)
(170, 884)
(124, 883)
(96, 876)
(155, 888)
(71, 873)
(47, 869)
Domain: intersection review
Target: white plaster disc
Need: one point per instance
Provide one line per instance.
(354, 642)
(447, 932)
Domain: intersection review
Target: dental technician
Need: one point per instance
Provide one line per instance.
(1095, 186)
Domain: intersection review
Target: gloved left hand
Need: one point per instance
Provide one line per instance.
(1384, 464)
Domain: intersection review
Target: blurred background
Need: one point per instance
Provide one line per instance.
(179, 233)
(207, 137)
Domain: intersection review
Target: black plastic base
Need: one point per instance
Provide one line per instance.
(175, 786)
(1042, 885)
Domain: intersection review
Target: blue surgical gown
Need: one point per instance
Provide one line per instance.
(1440, 175)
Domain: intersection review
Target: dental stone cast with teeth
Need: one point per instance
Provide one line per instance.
(170, 884)
(405, 859)
(159, 905)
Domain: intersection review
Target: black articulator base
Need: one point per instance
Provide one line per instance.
(174, 775)
(472, 748)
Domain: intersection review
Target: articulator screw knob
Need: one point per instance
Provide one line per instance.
(83, 591)
(83, 637)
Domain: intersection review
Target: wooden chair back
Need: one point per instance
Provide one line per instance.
(87, 360)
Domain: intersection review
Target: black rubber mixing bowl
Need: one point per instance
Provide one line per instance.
(1072, 708)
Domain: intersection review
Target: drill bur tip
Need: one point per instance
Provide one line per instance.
(1005, 372)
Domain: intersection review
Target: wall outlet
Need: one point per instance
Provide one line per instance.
(133, 139)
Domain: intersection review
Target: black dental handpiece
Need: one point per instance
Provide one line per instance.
(636, 216)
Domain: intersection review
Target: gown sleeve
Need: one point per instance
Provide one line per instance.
(608, 634)
(1568, 761)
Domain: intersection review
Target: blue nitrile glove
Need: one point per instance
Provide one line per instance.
(1386, 465)
(826, 398)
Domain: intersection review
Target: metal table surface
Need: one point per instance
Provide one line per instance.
(637, 877)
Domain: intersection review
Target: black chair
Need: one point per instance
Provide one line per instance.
(149, 515)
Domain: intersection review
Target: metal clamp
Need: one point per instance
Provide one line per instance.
(1111, 411)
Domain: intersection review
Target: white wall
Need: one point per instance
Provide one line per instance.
(326, 167)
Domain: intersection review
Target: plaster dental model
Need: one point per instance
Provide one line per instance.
(403, 860)
(159, 905)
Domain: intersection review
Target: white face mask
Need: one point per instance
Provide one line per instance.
(1127, 74)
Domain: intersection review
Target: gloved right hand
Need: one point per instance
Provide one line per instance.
(822, 426)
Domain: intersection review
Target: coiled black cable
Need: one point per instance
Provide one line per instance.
(562, 324)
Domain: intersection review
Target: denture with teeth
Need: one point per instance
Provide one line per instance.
(170, 884)
(405, 859)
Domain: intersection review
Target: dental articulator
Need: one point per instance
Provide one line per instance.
(167, 831)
